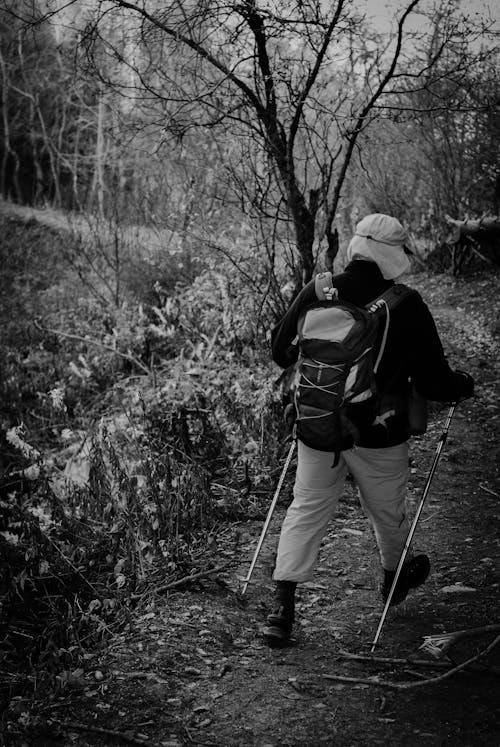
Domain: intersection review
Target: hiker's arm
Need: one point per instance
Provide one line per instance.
(431, 373)
(284, 333)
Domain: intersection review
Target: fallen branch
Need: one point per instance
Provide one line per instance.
(424, 663)
(390, 660)
(126, 737)
(362, 681)
(402, 686)
(194, 577)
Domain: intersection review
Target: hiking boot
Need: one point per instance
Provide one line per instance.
(413, 574)
(280, 622)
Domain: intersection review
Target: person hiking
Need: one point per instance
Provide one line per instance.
(413, 357)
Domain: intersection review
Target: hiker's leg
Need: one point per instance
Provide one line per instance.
(382, 477)
(317, 488)
(316, 492)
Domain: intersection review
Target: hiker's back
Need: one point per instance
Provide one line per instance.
(337, 395)
(413, 354)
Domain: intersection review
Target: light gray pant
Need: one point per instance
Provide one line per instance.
(381, 476)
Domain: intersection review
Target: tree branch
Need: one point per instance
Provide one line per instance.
(360, 120)
(199, 49)
(313, 75)
(256, 24)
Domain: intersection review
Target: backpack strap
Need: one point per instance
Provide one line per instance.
(389, 300)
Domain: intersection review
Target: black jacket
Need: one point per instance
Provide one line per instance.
(413, 353)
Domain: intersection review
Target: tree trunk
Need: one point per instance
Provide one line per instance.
(303, 218)
(304, 232)
(9, 183)
(5, 123)
(332, 238)
(99, 156)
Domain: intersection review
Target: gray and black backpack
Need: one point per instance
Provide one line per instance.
(340, 348)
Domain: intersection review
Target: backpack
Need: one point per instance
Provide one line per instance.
(335, 394)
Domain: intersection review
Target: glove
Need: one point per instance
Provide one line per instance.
(464, 385)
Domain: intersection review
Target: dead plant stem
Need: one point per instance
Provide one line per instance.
(90, 341)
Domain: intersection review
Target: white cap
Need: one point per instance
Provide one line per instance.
(381, 239)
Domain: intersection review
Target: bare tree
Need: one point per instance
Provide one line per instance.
(294, 88)
(298, 84)
(439, 154)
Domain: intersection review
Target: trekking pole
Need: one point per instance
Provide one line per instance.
(269, 516)
(441, 443)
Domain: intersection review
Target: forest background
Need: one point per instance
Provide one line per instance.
(171, 174)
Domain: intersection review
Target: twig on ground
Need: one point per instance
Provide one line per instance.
(389, 660)
(194, 577)
(68, 725)
(361, 680)
(413, 673)
(488, 490)
(425, 663)
(140, 676)
(421, 683)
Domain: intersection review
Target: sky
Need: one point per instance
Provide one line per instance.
(383, 10)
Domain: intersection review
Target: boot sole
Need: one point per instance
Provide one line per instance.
(276, 637)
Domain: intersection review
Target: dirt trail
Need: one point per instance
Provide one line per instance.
(193, 669)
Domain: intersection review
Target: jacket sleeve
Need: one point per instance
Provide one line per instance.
(431, 373)
(284, 351)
